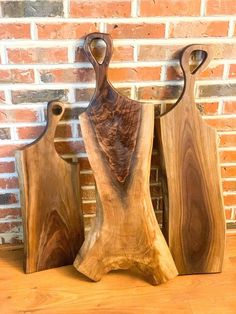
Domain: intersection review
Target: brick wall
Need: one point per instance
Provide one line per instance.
(41, 60)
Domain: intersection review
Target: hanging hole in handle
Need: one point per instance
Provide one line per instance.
(98, 49)
(56, 110)
(197, 58)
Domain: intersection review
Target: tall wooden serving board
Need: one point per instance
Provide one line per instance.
(118, 136)
(194, 219)
(51, 202)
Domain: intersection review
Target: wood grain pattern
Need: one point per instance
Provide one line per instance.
(63, 290)
(125, 234)
(115, 118)
(194, 217)
(51, 203)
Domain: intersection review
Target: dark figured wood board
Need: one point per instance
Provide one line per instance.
(194, 219)
(51, 202)
(118, 136)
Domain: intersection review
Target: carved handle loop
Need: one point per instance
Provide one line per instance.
(184, 61)
(87, 48)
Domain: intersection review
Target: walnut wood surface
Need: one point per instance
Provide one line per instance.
(118, 136)
(115, 118)
(51, 203)
(194, 217)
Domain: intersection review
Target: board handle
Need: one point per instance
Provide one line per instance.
(185, 58)
(100, 68)
(55, 110)
(87, 48)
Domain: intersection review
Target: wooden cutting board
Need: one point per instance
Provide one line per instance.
(118, 136)
(51, 202)
(194, 219)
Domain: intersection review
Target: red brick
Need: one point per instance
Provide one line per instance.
(26, 115)
(216, 89)
(89, 208)
(141, 30)
(70, 147)
(30, 132)
(228, 213)
(85, 94)
(227, 156)
(232, 71)
(198, 29)
(208, 108)
(212, 72)
(234, 215)
(174, 73)
(15, 31)
(67, 75)
(230, 200)
(124, 53)
(88, 194)
(173, 52)
(224, 51)
(5, 133)
(153, 176)
(19, 115)
(65, 30)
(9, 150)
(134, 74)
(37, 55)
(222, 124)
(86, 8)
(229, 107)
(228, 172)
(2, 97)
(228, 140)
(8, 198)
(10, 226)
(17, 76)
(159, 52)
(87, 179)
(229, 185)
(159, 92)
(37, 96)
(12, 213)
(9, 183)
(84, 163)
(155, 190)
(170, 7)
(220, 7)
(7, 167)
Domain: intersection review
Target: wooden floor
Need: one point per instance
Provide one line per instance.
(64, 290)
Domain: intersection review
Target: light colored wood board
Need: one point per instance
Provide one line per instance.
(64, 290)
(118, 136)
(194, 219)
(51, 202)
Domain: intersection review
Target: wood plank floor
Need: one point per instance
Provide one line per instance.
(64, 290)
